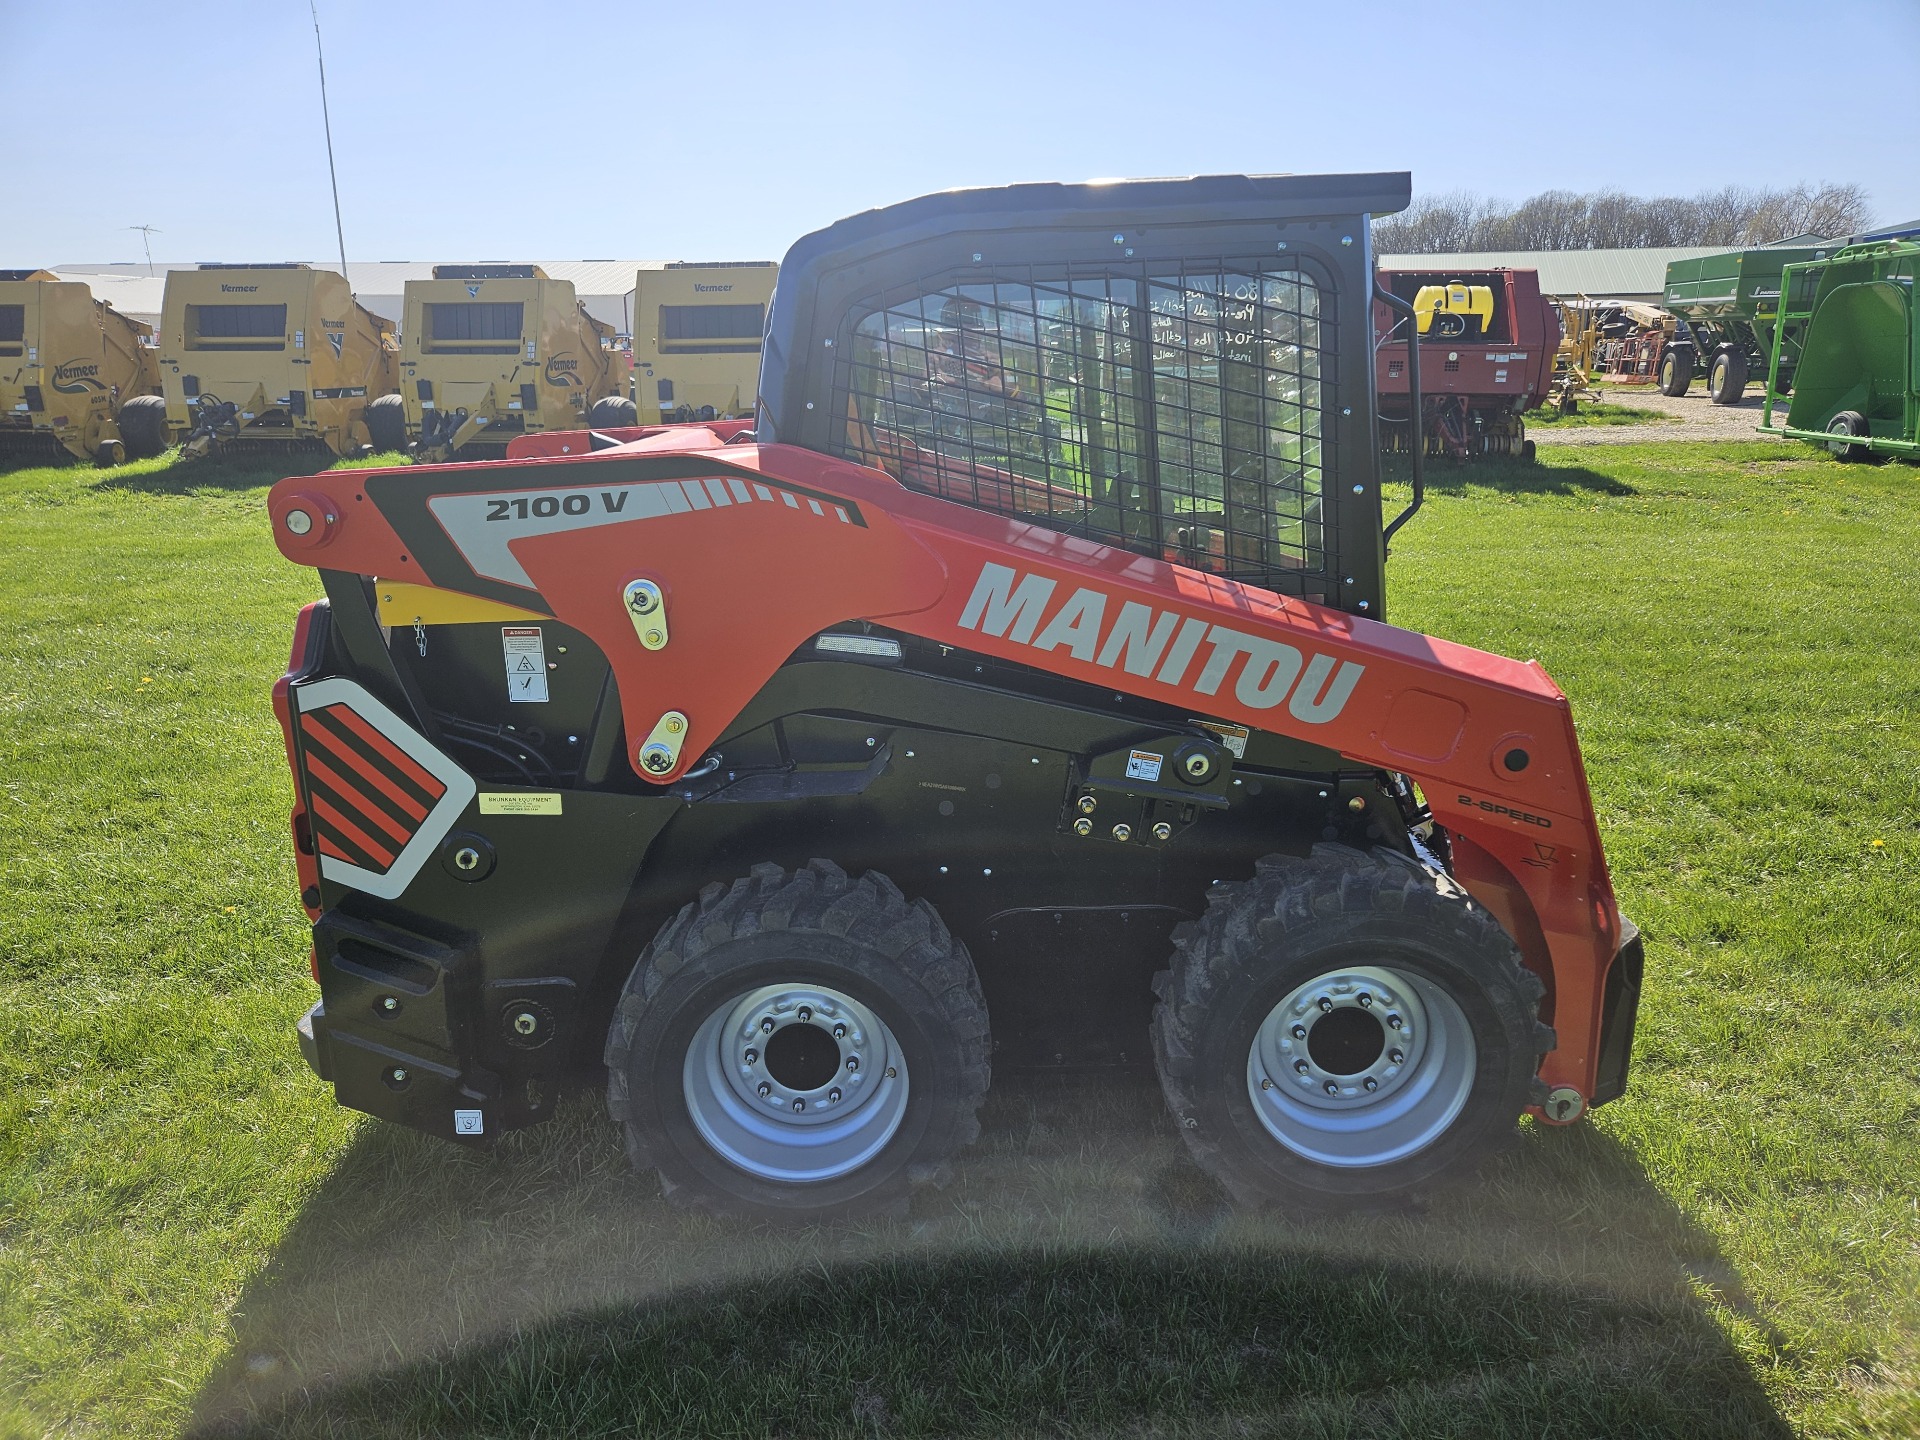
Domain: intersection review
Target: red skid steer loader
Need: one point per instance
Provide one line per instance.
(1015, 688)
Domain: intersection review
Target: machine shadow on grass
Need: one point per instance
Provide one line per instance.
(169, 474)
(1077, 1276)
(1506, 474)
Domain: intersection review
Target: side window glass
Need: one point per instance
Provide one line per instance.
(1177, 415)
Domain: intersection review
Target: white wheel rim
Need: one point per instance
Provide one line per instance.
(1361, 1066)
(795, 1083)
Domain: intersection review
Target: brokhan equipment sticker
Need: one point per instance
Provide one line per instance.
(519, 802)
(526, 655)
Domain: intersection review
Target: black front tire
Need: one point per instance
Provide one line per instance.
(1676, 370)
(1260, 943)
(613, 412)
(386, 422)
(1846, 426)
(1727, 379)
(143, 426)
(814, 927)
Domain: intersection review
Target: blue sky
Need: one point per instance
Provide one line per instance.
(478, 131)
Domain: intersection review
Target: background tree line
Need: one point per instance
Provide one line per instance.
(1609, 219)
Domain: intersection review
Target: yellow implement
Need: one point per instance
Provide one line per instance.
(1454, 310)
(75, 373)
(494, 351)
(697, 327)
(275, 353)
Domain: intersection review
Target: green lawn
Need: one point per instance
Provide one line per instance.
(193, 1237)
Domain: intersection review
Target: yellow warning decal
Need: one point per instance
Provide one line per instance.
(402, 604)
(515, 802)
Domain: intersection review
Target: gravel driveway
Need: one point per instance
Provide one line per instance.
(1694, 418)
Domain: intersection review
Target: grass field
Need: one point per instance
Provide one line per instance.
(192, 1236)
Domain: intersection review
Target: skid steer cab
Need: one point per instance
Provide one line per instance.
(1016, 691)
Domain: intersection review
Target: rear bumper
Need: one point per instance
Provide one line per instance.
(1619, 1008)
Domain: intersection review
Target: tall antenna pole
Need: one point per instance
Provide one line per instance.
(327, 120)
(147, 232)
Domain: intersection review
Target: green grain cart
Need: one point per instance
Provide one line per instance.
(1855, 373)
(1727, 305)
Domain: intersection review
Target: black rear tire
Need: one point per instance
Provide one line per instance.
(1676, 370)
(1727, 378)
(613, 411)
(1848, 424)
(815, 929)
(143, 426)
(386, 422)
(1295, 925)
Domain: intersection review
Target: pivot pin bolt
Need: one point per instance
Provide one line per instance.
(525, 1023)
(389, 1004)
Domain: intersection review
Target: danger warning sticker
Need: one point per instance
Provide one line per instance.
(526, 656)
(1143, 765)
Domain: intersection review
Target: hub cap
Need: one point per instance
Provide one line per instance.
(1361, 1066)
(795, 1083)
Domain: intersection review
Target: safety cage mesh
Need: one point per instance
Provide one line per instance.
(1174, 411)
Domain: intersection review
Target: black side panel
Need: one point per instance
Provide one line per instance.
(1619, 1007)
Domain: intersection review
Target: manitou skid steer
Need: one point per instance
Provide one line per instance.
(1018, 687)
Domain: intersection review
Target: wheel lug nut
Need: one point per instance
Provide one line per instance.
(834, 1094)
(1396, 1056)
(804, 1012)
(1393, 1022)
(853, 1065)
(839, 1032)
(1326, 1005)
(1299, 1032)
(1301, 1066)
(1370, 1084)
(799, 1107)
(1265, 1084)
(766, 1026)
(1366, 1000)
(753, 1057)
(1331, 1088)
(765, 1089)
